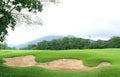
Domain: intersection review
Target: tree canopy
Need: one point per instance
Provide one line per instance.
(9, 10)
(75, 43)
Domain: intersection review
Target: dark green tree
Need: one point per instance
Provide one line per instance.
(97, 44)
(10, 9)
(32, 47)
(42, 45)
(62, 44)
(114, 42)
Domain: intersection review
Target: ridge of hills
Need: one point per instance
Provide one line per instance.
(47, 38)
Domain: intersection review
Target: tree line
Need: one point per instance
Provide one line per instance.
(75, 43)
(4, 46)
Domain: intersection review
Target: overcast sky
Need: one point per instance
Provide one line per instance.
(99, 19)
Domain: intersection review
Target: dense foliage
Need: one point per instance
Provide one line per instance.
(75, 43)
(61, 44)
(10, 12)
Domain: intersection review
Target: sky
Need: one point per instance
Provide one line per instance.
(97, 19)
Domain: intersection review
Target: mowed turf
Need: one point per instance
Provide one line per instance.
(90, 57)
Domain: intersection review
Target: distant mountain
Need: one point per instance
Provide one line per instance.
(47, 38)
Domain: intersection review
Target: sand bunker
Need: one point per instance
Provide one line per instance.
(61, 64)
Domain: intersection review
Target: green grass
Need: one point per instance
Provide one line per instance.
(90, 57)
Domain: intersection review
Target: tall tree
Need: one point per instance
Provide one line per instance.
(114, 42)
(10, 9)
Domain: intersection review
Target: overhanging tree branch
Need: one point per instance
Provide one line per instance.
(12, 9)
(8, 19)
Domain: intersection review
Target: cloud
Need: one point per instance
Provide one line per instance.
(82, 18)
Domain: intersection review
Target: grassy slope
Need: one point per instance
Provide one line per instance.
(90, 57)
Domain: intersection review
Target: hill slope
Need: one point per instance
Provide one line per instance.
(47, 38)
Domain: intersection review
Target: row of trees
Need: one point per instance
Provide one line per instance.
(4, 46)
(75, 43)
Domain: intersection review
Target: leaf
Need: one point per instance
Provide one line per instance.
(18, 8)
(8, 6)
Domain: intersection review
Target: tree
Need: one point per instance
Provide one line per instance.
(97, 44)
(10, 9)
(114, 42)
(61, 44)
(32, 47)
(42, 45)
(3, 46)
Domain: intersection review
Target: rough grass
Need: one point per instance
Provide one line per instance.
(90, 57)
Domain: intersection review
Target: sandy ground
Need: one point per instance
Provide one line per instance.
(61, 64)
